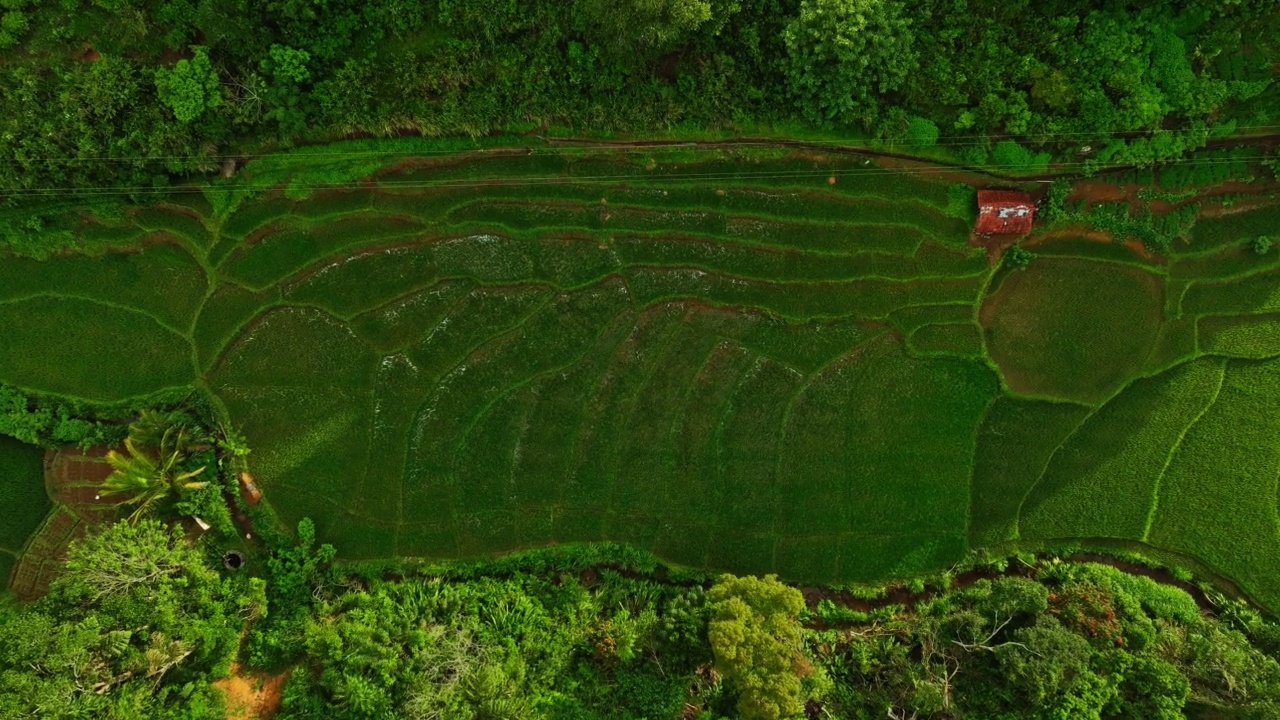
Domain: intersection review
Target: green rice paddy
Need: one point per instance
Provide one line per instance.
(727, 360)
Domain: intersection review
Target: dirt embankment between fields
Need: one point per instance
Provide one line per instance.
(901, 596)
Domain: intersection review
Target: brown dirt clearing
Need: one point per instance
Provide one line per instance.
(251, 696)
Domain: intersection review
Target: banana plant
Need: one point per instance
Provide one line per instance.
(149, 475)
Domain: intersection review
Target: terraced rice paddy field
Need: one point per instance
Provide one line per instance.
(732, 361)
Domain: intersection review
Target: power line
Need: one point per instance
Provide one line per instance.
(647, 177)
(582, 145)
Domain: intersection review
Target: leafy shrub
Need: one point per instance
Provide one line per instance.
(962, 201)
(1018, 257)
(138, 623)
(756, 639)
(832, 614)
(191, 87)
(52, 422)
(1055, 209)
(1011, 156)
(921, 133)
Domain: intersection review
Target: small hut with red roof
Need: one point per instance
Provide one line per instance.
(1004, 212)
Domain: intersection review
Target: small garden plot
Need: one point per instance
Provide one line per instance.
(1072, 329)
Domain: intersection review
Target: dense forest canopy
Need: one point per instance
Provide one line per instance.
(125, 92)
(141, 625)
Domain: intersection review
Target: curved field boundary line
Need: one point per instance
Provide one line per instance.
(631, 315)
(1231, 278)
(716, 441)
(234, 337)
(850, 356)
(1017, 518)
(533, 379)
(1160, 270)
(207, 366)
(870, 277)
(104, 303)
(666, 345)
(298, 267)
(1086, 419)
(343, 255)
(973, 465)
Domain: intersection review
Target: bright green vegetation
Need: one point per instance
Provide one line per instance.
(722, 358)
(1121, 453)
(23, 501)
(117, 92)
(137, 625)
(83, 343)
(143, 624)
(1199, 494)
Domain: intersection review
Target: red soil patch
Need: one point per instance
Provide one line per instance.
(263, 231)
(1096, 191)
(995, 245)
(42, 560)
(72, 477)
(1101, 191)
(389, 172)
(251, 696)
(1094, 235)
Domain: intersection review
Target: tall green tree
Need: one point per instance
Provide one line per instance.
(133, 628)
(151, 471)
(755, 634)
(843, 55)
(637, 30)
(191, 87)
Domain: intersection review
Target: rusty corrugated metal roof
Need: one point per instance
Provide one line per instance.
(1004, 212)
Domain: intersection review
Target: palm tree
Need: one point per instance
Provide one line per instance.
(150, 477)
